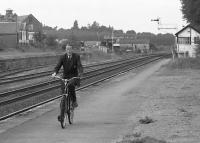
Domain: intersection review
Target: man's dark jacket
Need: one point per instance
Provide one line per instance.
(71, 66)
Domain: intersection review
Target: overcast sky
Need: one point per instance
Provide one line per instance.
(121, 14)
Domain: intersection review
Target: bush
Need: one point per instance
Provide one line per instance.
(51, 41)
(185, 63)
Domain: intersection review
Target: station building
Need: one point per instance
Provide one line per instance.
(187, 40)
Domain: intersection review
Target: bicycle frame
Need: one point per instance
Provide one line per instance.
(66, 102)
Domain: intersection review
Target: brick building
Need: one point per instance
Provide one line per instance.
(18, 30)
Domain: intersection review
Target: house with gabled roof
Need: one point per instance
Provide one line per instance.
(187, 41)
(27, 26)
(20, 27)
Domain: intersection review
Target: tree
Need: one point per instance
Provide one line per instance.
(131, 32)
(94, 26)
(61, 30)
(73, 39)
(152, 47)
(51, 40)
(39, 37)
(47, 27)
(118, 32)
(75, 26)
(84, 28)
(191, 11)
(55, 28)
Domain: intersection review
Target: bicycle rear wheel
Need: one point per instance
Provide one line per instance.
(70, 112)
(63, 116)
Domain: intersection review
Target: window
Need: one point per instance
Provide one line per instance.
(24, 25)
(30, 27)
(196, 40)
(183, 40)
(23, 35)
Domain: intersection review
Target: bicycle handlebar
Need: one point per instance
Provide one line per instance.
(65, 80)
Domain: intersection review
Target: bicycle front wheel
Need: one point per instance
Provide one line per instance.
(63, 116)
(64, 121)
(70, 112)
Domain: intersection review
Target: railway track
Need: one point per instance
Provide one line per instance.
(17, 93)
(7, 79)
(90, 77)
(89, 73)
(13, 72)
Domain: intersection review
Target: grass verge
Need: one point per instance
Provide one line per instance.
(142, 140)
(185, 63)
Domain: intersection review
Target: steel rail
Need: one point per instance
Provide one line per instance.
(90, 84)
(5, 80)
(6, 93)
(3, 74)
(35, 75)
(34, 93)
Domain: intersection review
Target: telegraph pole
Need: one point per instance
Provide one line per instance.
(160, 28)
(112, 53)
(112, 41)
(17, 39)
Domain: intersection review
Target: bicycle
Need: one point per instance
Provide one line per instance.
(66, 105)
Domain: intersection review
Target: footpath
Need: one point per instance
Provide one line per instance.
(170, 111)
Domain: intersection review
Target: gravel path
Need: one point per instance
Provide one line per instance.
(105, 113)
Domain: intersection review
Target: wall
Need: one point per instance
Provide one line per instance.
(27, 62)
(184, 48)
(8, 41)
(20, 63)
(187, 48)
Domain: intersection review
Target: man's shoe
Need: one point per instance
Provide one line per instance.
(59, 119)
(75, 104)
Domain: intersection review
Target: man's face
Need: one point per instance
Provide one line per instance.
(68, 50)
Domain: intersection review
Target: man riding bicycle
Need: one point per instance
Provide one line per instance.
(72, 67)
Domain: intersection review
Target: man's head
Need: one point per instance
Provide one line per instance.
(68, 49)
